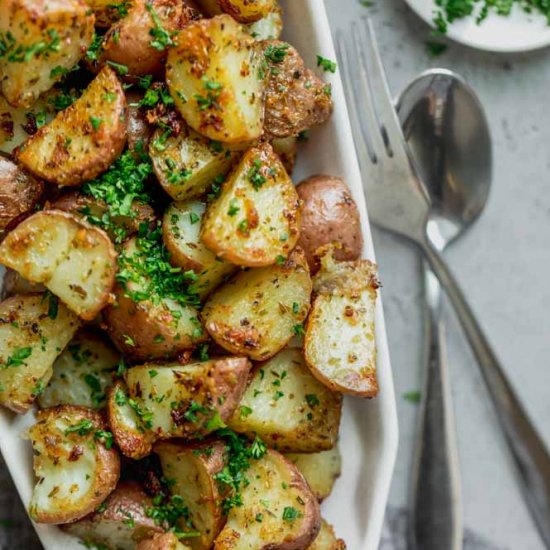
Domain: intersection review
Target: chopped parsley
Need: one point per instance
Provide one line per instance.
(210, 100)
(94, 50)
(84, 427)
(254, 176)
(171, 511)
(244, 411)
(161, 37)
(298, 329)
(326, 64)
(312, 400)
(233, 209)
(17, 358)
(19, 53)
(97, 394)
(276, 53)
(96, 122)
(121, 69)
(105, 437)
(290, 514)
(412, 396)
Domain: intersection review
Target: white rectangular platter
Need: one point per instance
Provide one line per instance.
(369, 427)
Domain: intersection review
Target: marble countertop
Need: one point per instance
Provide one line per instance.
(503, 265)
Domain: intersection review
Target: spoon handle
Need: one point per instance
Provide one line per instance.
(528, 450)
(436, 508)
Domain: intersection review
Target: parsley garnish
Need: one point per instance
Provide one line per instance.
(276, 53)
(326, 64)
(312, 400)
(84, 427)
(210, 100)
(290, 514)
(412, 396)
(17, 358)
(254, 176)
(18, 53)
(161, 37)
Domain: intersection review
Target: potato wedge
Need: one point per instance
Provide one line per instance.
(83, 140)
(247, 11)
(41, 40)
(287, 407)
(212, 74)
(279, 512)
(321, 470)
(34, 329)
(340, 346)
(74, 468)
(180, 230)
(76, 261)
(296, 98)
(172, 400)
(255, 221)
(82, 373)
(326, 539)
(19, 192)
(120, 522)
(187, 164)
(258, 311)
(269, 27)
(13, 283)
(286, 149)
(166, 541)
(191, 469)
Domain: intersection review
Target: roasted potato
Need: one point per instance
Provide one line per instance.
(269, 27)
(255, 220)
(191, 469)
(19, 192)
(34, 329)
(247, 11)
(76, 261)
(279, 511)
(13, 283)
(165, 541)
(326, 539)
(212, 74)
(120, 522)
(287, 407)
(340, 346)
(296, 98)
(286, 149)
(321, 470)
(258, 311)
(165, 401)
(329, 216)
(137, 127)
(82, 373)
(75, 466)
(180, 229)
(84, 139)
(41, 41)
(187, 164)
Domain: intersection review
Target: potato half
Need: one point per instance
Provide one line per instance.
(74, 260)
(43, 40)
(279, 511)
(83, 140)
(340, 345)
(288, 407)
(255, 221)
(74, 468)
(34, 329)
(212, 74)
(258, 311)
(326, 539)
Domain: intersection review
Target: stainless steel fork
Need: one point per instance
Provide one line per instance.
(398, 202)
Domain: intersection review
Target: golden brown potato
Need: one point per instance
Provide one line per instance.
(255, 220)
(279, 511)
(340, 345)
(138, 129)
(74, 260)
(84, 139)
(180, 229)
(329, 216)
(286, 149)
(258, 311)
(19, 192)
(212, 74)
(320, 470)
(34, 329)
(296, 98)
(120, 522)
(326, 539)
(191, 469)
(165, 541)
(13, 283)
(287, 407)
(247, 11)
(75, 466)
(172, 400)
(269, 27)
(42, 41)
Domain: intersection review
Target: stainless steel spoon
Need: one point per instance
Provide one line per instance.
(446, 129)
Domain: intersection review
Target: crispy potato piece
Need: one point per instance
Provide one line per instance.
(212, 74)
(340, 346)
(326, 539)
(269, 27)
(286, 149)
(42, 39)
(13, 283)
(75, 260)
(75, 470)
(287, 407)
(19, 192)
(258, 311)
(255, 221)
(166, 541)
(329, 216)
(296, 98)
(180, 229)
(192, 469)
(165, 401)
(82, 373)
(130, 41)
(187, 164)
(83, 140)
(247, 11)
(278, 495)
(120, 522)
(321, 470)
(32, 334)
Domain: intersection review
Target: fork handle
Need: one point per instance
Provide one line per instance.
(528, 450)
